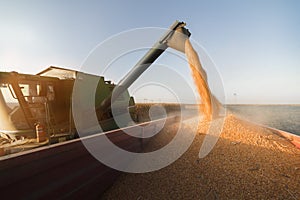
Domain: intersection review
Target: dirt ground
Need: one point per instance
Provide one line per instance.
(248, 162)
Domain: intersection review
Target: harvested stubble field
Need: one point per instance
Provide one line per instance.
(142, 109)
(248, 162)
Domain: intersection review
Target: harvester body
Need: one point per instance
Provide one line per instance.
(46, 99)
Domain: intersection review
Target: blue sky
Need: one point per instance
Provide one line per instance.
(255, 45)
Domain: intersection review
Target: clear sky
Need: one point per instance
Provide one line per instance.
(255, 45)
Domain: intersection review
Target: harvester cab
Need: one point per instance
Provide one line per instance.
(28, 100)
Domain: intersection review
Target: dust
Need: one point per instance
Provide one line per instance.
(5, 123)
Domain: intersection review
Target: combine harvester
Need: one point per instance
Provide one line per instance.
(40, 106)
(36, 110)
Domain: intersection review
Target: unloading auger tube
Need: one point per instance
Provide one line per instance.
(174, 38)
